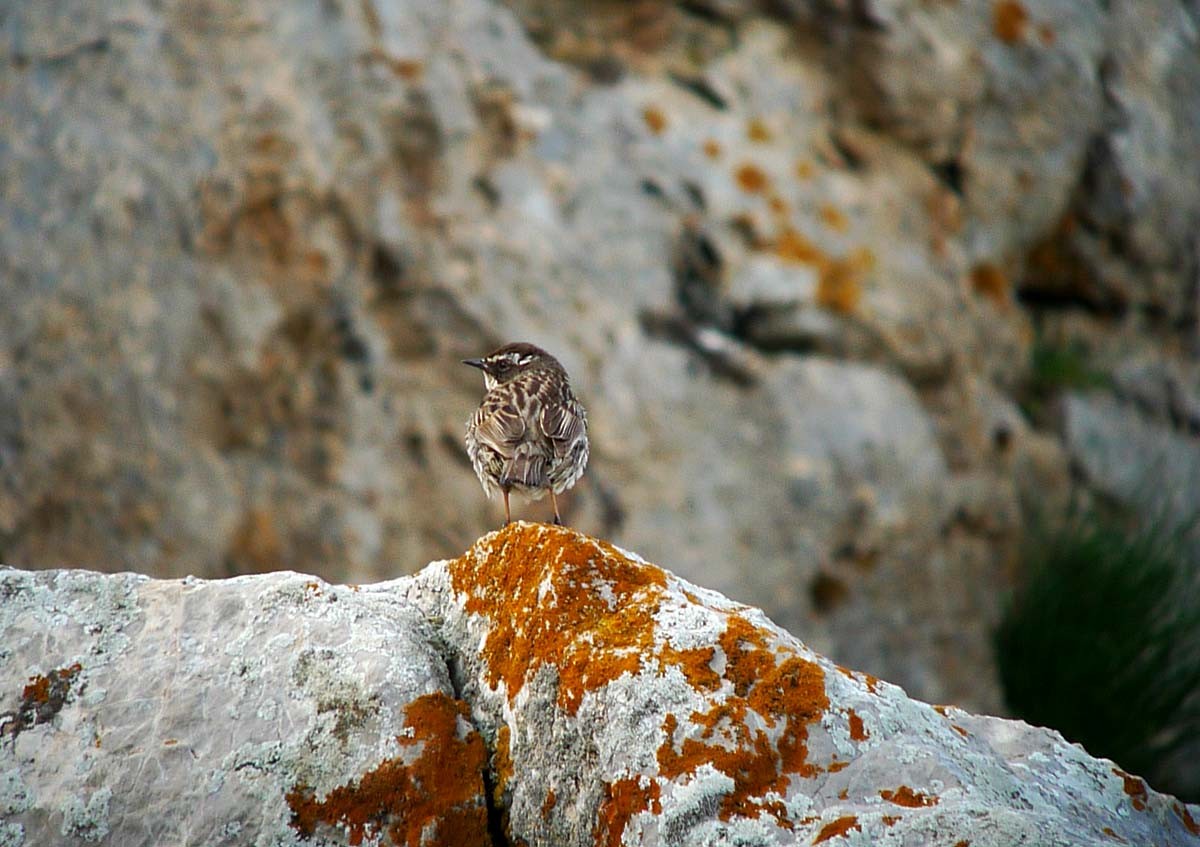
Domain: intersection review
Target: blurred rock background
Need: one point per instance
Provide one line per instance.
(850, 288)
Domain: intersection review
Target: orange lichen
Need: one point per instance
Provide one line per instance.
(834, 767)
(837, 828)
(866, 679)
(746, 656)
(839, 280)
(1134, 787)
(963, 843)
(435, 800)
(839, 288)
(785, 691)
(757, 130)
(407, 69)
(751, 178)
(622, 800)
(655, 120)
(552, 597)
(777, 205)
(712, 148)
(905, 796)
(858, 732)
(804, 169)
(844, 794)
(44, 689)
(991, 282)
(1009, 20)
(834, 218)
(890, 820)
(42, 698)
(1047, 35)
(696, 665)
(594, 624)
(548, 804)
(1111, 833)
(1182, 812)
(791, 246)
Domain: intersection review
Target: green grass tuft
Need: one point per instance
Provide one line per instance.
(1102, 641)
(1058, 367)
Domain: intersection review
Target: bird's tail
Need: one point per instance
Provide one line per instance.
(527, 467)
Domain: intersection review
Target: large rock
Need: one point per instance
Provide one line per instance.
(1141, 463)
(254, 710)
(544, 688)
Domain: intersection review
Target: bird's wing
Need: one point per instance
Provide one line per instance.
(563, 424)
(498, 425)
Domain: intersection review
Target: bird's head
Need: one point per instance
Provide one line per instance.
(510, 361)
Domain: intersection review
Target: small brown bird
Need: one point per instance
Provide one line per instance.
(529, 433)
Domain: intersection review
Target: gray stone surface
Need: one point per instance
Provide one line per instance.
(147, 712)
(1133, 459)
(243, 247)
(585, 696)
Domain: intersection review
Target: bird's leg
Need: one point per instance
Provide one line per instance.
(554, 499)
(507, 515)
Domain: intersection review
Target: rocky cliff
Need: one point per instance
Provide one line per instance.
(797, 256)
(544, 688)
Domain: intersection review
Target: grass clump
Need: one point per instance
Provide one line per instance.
(1057, 366)
(1102, 641)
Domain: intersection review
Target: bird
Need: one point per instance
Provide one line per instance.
(529, 434)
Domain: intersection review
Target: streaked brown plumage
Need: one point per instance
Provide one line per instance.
(530, 433)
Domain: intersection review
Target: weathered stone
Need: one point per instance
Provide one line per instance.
(627, 706)
(275, 709)
(543, 688)
(1128, 240)
(1141, 463)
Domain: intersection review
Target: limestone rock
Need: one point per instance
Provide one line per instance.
(275, 709)
(1133, 459)
(543, 688)
(627, 706)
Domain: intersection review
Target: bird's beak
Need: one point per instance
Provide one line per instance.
(475, 363)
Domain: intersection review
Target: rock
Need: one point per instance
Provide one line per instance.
(270, 709)
(545, 687)
(632, 707)
(1134, 460)
(1128, 241)
(1161, 391)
